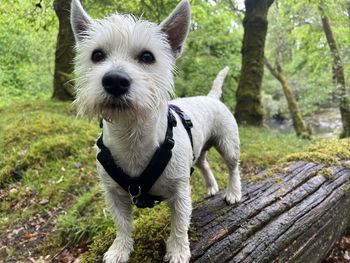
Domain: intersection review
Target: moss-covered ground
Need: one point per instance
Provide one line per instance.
(51, 203)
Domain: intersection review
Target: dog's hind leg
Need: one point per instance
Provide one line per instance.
(229, 150)
(203, 165)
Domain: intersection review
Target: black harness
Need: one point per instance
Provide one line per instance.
(138, 187)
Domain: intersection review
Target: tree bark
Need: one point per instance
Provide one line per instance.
(348, 9)
(64, 55)
(299, 125)
(249, 109)
(295, 216)
(338, 74)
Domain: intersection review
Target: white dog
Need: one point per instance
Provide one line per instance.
(125, 67)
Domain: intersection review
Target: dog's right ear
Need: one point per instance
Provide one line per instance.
(79, 20)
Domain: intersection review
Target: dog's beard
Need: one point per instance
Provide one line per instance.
(116, 104)
(112, 109)
(113, 106)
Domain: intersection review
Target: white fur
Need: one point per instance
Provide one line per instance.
(133, 133)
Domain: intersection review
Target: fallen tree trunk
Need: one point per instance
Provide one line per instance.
(294, 216)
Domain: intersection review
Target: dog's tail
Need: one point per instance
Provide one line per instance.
(216, 89)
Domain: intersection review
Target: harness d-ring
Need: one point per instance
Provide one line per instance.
(132, 194)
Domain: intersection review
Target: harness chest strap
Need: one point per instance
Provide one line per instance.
(138, 187)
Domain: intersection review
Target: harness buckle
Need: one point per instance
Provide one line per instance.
(189, 123)
(172, 120)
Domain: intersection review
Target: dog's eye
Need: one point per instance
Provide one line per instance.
(97, 56)
(146, 57)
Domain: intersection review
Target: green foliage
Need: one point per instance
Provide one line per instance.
(27, 41)
(213, 44)
(28, 36)
(295, 31)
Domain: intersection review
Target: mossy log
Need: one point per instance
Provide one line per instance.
(295, 215)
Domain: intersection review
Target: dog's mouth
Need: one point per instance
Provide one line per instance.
(119, 103)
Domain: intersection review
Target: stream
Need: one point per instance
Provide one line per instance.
(325, 124)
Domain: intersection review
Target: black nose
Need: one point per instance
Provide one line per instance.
(116, 82)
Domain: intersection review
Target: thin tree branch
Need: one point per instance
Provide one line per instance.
(271, 68)
(234, 8)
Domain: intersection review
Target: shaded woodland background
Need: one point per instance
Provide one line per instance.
(288, 88)
(306, 53)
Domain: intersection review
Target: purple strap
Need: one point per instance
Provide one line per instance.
(180, 112)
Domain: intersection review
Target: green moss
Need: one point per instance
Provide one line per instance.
(268, 173)
(151, 229)
(151, 232)
(50, 151)
(346, 187)
(328, 153)
(347, 165)
(315, 157)
(326, 173)
(99, 246)
(38, 136)
(52, 148)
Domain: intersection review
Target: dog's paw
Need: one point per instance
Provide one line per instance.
(212, 190)
(178, 257)
(178, 252)
(233, 197)
(115, 257)
(119, 251)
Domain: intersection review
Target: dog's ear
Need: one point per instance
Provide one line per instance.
(79, 20)
(177, 25)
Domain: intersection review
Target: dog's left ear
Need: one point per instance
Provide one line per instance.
(177, 25)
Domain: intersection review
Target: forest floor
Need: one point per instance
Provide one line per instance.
(51, 205)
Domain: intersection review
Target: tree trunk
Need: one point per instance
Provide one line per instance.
(338, 75)
(295, 216)
(249, 109)
(348, 8)
(299, 125)
(64, 55)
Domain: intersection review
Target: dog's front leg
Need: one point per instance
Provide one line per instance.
(178, 246)
(120, 207)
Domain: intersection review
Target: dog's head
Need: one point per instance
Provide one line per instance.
(125, 65)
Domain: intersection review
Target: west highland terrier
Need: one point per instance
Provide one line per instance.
(125, 67)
